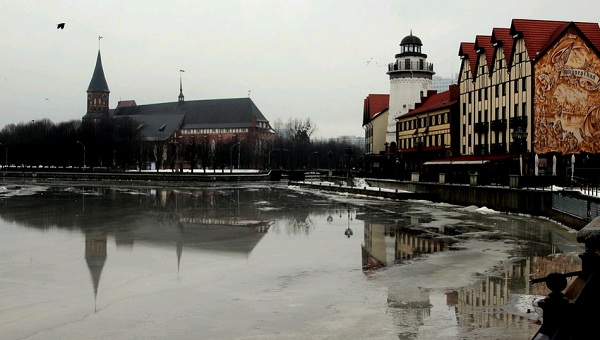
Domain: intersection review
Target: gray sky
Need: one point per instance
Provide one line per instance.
(306, 59)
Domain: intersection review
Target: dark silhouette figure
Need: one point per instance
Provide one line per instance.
(60, 26)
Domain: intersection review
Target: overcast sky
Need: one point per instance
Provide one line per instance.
(305, 59)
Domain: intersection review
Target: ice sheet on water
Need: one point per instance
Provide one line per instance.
(13, 190)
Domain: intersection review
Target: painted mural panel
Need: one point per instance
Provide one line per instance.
(567, 98)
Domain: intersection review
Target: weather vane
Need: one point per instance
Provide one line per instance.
(99, 37)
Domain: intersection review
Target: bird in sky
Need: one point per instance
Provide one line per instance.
(60, 26)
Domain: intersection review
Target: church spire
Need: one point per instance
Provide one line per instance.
(97, 93)
(180, 87)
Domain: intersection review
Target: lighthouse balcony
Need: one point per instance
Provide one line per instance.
(418, 66)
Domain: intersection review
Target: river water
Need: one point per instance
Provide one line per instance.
(256, 261)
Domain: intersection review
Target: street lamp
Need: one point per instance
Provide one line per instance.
(231, 156)
(270, 165)
(5, 155)
(316, 152)
(519, 136)
(80, 143)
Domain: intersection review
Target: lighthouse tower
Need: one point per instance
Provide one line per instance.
(410, 79)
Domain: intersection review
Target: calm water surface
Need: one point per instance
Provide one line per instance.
(247, 261)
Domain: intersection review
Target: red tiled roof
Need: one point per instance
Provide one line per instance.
(467, 50)
(484, 43)
(502, 37)
(436, 101)
(539, 34)
(374, 104)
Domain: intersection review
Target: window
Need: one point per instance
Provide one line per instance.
(516, 85)
(497, 114)
(524, 109)
(469, 122)
(503, 89)
(524, 84)
(516, 112)
(485, 93)
(504, 112)
(485, 115)
(407, 64)
(420, 64)
(479, 95)
(497, 90)
(464, 110)
(469, 97)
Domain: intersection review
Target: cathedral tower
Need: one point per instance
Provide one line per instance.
(97, 95)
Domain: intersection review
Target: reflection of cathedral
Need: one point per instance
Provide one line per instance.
(95, 257)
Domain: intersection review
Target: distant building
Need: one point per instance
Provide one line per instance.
(208, 122)
(440, 84)
(355, 142)
(375, 119)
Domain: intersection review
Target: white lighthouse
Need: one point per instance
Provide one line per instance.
(410, 79)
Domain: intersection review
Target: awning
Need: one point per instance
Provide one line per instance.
(456, 162)
(471, 159)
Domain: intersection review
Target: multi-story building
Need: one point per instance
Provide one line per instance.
(531, 89)
(428, 131)
(209, 122)
(375, 118)
(375, 122)
(410, 80)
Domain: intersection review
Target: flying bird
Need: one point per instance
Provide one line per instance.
(60, 26)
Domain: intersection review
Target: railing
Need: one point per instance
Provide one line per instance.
(481, 127)
(520, 121)
(574, 314)
(498, 125)
(480, 147)
(497, 148)
(412, 66)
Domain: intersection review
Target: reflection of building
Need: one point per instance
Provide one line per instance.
(95, 256)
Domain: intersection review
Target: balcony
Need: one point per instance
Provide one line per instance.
(518, 146)
(412, 66)
(516, 122)
(498, 125)
(479, 148)
(498, 148)
(481, 127)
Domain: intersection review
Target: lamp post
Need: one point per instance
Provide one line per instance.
(316, 152)
(231, 156)
(5, 155)
(80, 143)
(272, 152)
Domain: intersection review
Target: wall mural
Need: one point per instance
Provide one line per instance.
(567, 98)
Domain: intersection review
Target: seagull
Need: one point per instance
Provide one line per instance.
(60, 26)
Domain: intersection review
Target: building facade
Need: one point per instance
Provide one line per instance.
(530, 89)
(427, 132)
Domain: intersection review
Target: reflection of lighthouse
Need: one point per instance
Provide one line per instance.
(95, 256)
